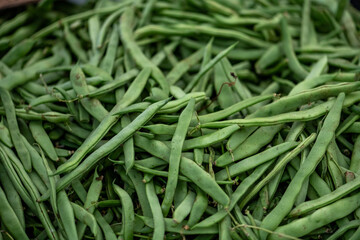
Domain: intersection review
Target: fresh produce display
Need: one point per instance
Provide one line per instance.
(188, 119)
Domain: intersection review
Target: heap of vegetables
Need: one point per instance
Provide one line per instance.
(190, 119)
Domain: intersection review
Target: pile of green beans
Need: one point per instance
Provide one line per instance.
(189, 119)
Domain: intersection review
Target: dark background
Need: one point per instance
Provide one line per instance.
(356, 3)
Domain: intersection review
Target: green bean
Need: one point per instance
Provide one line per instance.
(36, 56)
(145, 18)
(158, 219)
(14, 128)
(107, 23)
(93, 105)
(54, 117)
(87, 218)
(272, 220)
(130, 96)
(109, 58)
(355, 235)
(51, 180)
(175, 155)
(294, 64)
(304, 115)
(198, 208)
(122, 80)
(355, 158)
(94, 28)
(122, 136)
(36, 161)
(12, 196)
(188, 29)
(334, 169)
(83, 15)
(227, 97)
(208, 66)
(108, 232)
(4, 69)
(128, 212)
(183, 66)
(325, 199)
(139, 57)
(107, 203)
(271, 56)
(74, 129)
(320, 217)
(12, 24)
(170, 107)
(210, 139)
(66, 214)
(17, 52)
(92, 196)
(159, 57)
(187, 167)
(294, 101)
(20, 77)
(129, 152)
(42, 138)
(136, 178)
(236, 54)
(236, 196)
(184, 208)
(16, 181)
(74, 44)
(340, 232)
(9, 218)
(233, 109)
(5, 134)
(155, 172)
(250, 146)
(282, 91)
(288, 157)
(94, 71)
(286, 103)
(306, 25)
(255, 160)
(69, 103)
(309, 80)
(179, 229)
(18, 169)
(202, 84)
(79, 190)
(199, 156)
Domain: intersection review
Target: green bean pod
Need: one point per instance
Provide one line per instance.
(128, 212)
(273, 219)
(14, 129)
(175, 155)
(9, 218)
(66, 213)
